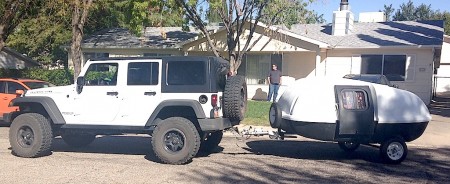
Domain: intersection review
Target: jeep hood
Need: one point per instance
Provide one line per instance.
(51, 90)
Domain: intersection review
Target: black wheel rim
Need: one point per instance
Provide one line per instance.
(25, 137)
(174, 141)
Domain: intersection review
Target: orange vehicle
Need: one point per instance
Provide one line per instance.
(8, 87)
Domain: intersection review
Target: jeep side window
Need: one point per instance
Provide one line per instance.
(186, 73)
(101, 74)
(143, 73)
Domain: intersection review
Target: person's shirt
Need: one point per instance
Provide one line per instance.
(275, 76)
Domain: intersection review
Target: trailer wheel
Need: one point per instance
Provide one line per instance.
(348, 146)
(394, 150)
(275, 116)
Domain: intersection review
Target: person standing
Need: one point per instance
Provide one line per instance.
(274, 79)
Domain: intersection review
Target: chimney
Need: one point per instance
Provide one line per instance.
(343, 20)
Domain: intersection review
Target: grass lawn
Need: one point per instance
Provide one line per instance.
(257, 113)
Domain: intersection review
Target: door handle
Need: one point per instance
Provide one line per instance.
(112, 93)
(150, 93)
(5, 98)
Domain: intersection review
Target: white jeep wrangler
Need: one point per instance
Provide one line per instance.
(184, 103)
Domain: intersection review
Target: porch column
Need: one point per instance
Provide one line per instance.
(317, 62)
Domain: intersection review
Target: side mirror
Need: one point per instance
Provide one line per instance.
(80, 84)
(20, 92)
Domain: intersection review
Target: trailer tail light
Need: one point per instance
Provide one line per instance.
(214, 100)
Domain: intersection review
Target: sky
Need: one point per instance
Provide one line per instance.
(326, 7)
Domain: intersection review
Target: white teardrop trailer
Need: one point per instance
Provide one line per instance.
(351, 113)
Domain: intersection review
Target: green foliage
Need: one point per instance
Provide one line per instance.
(58, 77)
(257, 113)
(288, 12)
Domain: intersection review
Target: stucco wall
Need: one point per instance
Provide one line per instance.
(419, 67)
(443, 74)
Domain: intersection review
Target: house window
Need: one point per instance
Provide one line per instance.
(256, 67)
(393, 66)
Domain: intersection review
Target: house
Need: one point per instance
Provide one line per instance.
(442, 78)
(406, 51)
(9, 58)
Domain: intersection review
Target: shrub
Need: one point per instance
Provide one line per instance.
(58, 77)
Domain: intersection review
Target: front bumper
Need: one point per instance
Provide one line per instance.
(6, 117)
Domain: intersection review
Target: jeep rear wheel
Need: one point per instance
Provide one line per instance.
(235, 98)
(75, 139)
(211, 141)
(30, 135)
(175, 140)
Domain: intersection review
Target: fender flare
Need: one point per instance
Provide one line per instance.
(195, 105)
(49, 106)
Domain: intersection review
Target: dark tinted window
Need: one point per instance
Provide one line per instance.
(371, 64)
(101, 74)
(143, 73)
(13, 86)
(2, 86)
(186, 73)
(392, 66)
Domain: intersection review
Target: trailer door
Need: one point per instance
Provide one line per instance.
(355, 113)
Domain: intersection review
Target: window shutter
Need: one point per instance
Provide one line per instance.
(356, 64)
(410, 67)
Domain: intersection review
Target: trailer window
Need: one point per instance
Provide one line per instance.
(354, 100)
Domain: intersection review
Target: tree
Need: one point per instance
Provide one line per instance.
(12, 12)
(406, 12)
(388, 10)
(40, 36)
(80, 12)
(239, 16)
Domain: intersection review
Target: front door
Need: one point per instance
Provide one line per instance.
(99, 101)
(355, 113)
(8, 93)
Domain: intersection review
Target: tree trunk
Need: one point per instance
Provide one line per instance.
(79, 16)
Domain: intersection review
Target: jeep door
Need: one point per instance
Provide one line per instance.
(8, 93)
(99, 102)
(143, 92)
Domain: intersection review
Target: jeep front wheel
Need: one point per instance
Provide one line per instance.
(235, 98)
(175, 140)
(77, 140)
(30, 135)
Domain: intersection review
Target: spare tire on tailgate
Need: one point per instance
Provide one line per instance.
(235, 98)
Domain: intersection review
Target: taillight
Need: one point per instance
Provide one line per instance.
(214, 100)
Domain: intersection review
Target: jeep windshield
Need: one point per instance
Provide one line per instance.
(36, 85)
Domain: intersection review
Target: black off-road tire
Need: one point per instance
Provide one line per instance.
(175, 140)
(348, 146)
(211, 142)
(78, 140)
(394, 150)
(235, 98)
(31, 135)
